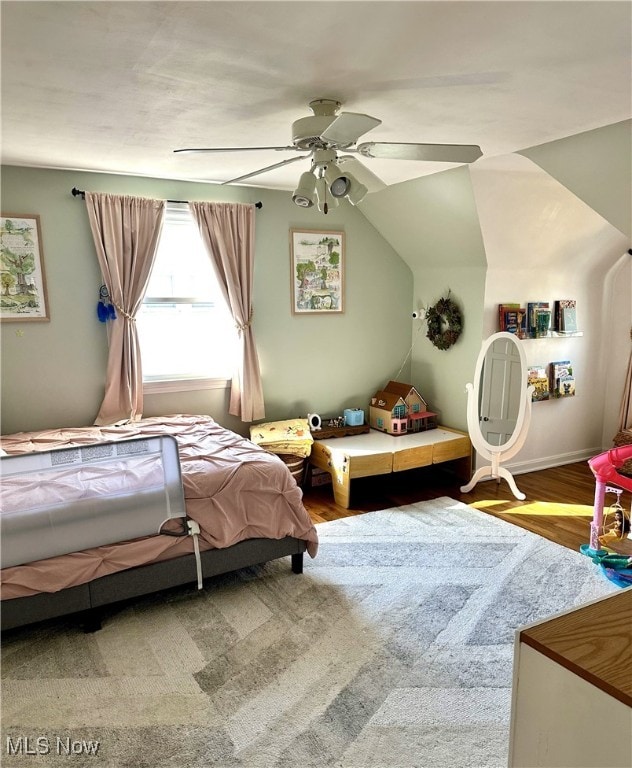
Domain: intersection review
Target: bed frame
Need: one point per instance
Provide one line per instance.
(88, 600)
(80, 522)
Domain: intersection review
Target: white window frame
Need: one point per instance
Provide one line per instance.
(176, 383)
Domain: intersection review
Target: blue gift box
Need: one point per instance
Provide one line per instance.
(354, 417)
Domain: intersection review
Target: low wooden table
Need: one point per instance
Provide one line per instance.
(376, 453)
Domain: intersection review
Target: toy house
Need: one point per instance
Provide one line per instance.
(398, 409)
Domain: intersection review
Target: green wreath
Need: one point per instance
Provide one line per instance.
(444, 323)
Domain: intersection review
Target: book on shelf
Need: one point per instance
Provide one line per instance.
(562, 379)
(569, 320)
(503, 310)
(565, 319)
(566, 386)
(512, 318)
(522, 328)
(542, 322)
(537, 375)
(512, 321)
(538, 317)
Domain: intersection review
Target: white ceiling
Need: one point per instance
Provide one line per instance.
(117, 86)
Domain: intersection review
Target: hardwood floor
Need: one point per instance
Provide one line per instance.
(558, 506)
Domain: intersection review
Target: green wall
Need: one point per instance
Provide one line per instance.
(53, 372)
(432, 222)
(406, 246)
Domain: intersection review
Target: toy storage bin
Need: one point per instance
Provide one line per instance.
(295, 464)
(290, 440)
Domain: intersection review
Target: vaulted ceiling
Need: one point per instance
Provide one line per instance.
(117, 86)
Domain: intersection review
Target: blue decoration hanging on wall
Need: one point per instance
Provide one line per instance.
(105, 309)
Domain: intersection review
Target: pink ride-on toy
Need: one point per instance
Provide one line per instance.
(604, 467)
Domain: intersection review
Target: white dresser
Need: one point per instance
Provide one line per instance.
(572, 688)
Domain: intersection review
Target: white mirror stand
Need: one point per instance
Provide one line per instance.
(500, 398)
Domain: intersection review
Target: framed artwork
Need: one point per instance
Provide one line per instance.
(317, 271)
(22, 279)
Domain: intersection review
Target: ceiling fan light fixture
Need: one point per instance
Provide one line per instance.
(340, 186)
(329, 131)
(304, 194)
(356, 193)
(337, 181)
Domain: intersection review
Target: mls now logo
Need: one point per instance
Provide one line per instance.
(42, 745)
(24, 745)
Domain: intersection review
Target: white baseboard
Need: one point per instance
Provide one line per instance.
(546, 462)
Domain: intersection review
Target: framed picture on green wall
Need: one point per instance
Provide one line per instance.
(317, 271)
(22, 279)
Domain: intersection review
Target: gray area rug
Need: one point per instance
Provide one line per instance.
(393, 650)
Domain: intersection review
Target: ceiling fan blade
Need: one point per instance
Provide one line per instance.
(348, 127)
(360, 172)
(440, 153)
(233, 149)
(263, 170)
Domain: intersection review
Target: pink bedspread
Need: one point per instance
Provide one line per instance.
(233, 489)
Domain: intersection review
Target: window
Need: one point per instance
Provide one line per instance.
(187, 335)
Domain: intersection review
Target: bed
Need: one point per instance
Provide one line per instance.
(247, 505)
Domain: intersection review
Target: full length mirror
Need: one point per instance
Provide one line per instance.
(499, 407)
(501, 387)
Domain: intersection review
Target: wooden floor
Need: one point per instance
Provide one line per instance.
(558, 506)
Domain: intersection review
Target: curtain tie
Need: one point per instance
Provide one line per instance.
(124, 313)
(244, 326)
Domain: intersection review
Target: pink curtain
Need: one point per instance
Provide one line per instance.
(126, 231)
(228, 231)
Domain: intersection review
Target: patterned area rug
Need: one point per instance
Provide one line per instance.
(393, 650)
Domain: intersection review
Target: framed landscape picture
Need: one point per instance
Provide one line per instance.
(317, 271)
(22, 279)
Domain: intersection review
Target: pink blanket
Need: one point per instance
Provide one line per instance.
(233, 489)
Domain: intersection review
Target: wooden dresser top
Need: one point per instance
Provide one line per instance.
(594, 642)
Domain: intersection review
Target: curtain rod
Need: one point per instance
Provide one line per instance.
(76, 192)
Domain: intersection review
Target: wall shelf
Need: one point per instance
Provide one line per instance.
(554, 335)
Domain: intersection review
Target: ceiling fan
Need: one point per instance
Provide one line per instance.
(332, 176)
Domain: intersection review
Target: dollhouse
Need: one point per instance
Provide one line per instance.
(399, 408)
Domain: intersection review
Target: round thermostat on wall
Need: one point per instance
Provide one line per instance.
(314, 421)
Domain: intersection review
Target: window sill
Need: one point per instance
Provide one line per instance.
(183, 385)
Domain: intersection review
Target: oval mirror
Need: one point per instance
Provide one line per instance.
(499, 406)
(500, 393)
